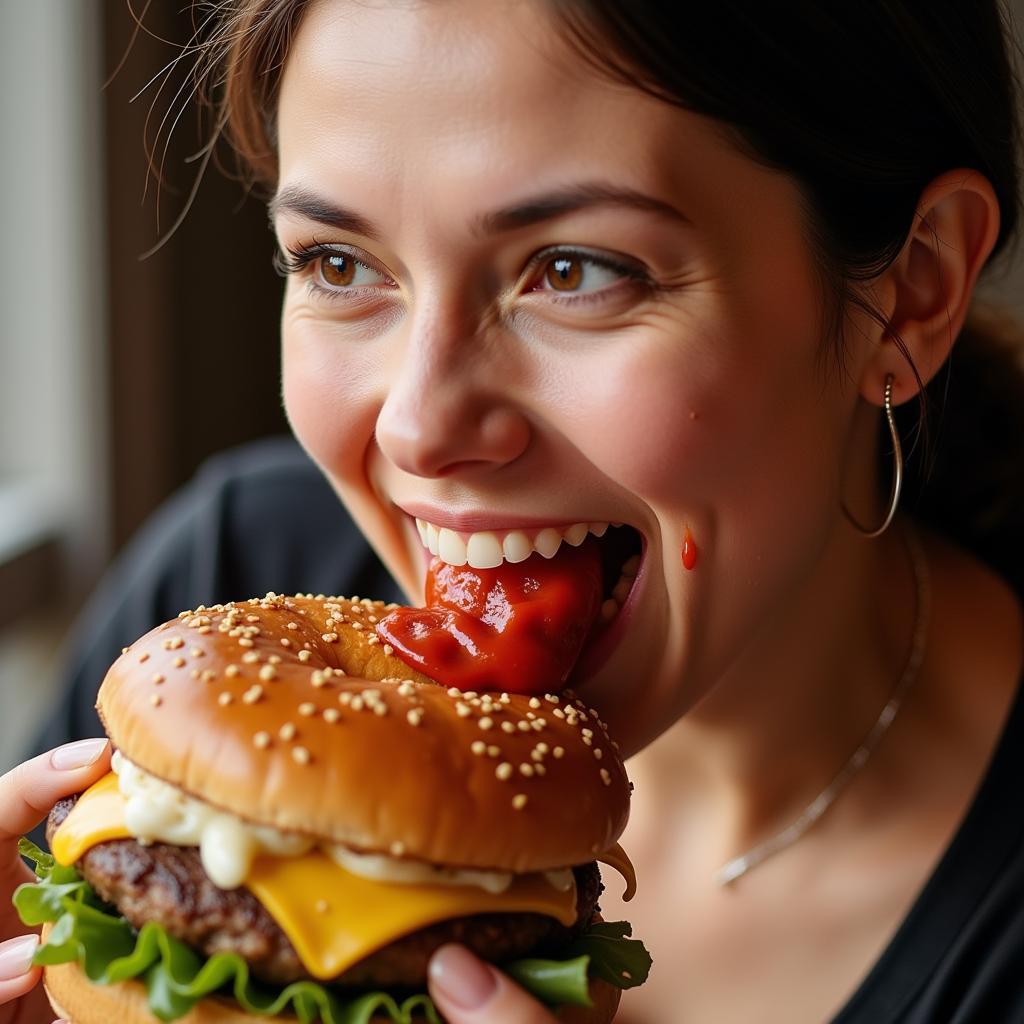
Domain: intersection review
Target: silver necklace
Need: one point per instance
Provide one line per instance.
(746, 862)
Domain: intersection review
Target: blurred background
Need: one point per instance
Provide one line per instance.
(120, 374)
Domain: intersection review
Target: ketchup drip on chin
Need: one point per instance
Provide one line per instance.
(516, 628)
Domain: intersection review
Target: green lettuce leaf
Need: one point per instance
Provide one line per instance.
(109, 950)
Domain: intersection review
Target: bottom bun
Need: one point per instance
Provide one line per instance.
(76, 999)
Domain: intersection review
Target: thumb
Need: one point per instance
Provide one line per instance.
(468, 991)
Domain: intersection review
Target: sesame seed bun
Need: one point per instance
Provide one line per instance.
(290, 712)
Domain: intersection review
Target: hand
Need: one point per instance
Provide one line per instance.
(27, 793)
(468, 991)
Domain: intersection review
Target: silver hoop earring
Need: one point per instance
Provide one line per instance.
(897, 471)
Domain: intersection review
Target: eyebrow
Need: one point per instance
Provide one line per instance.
(298, 200)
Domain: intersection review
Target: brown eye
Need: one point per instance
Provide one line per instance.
(564, 273)
(337, 269)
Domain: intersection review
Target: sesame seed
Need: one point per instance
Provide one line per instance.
(331, 714)
(244, 641)
(508, 727)
(605, 777)
(178, 662)
(598, 753)
(478, 747)
(414, 716)
(143, 657)
(173, 643)
(519, 801)
(253, 694)
(534, 703)
(536, 755)
(329, 638)
(305, 655)
(540, 769)
(329, 622)
(493, 750)
(406, 688)
(526, 769)
(156, 700)
(125, 650)
(558, 713)
(380, 709)
(357, 703)
(485, 723)
(194, 673)
(357, 625)
(231, 671)
(523, 725)
(388, 650)
(397, 848)
(504, 771)
(285, 642)
(268, 672)
(252, 618)
(225, 699)
(559, 751)
(344, 697)
(158, 677)
(307, 710)
(207, 675)
(287, 731)
(454, 691)
(204, 630)
(261, 740)
(551, 698)
(587, 732)
(197, 652)
(250, 657)
(300, 755)
(292, 625)
(274, 659)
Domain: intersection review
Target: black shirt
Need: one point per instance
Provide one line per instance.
(263, 518)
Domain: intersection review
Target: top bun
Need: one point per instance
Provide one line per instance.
(290, 712)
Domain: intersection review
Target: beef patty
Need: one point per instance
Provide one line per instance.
(167, 884)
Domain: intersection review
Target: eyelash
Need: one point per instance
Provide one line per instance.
(296, 259)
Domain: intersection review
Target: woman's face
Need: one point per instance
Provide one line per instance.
(548, 299)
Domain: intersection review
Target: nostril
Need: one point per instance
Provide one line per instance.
(445, 441)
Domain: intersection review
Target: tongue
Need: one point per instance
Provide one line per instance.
(517, 628)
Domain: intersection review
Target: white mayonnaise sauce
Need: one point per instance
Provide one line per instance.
(156, 811)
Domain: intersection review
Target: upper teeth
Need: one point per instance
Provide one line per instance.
(487, 549)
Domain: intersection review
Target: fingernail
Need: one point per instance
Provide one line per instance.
(79, 754)
(16, 956)
(461, 977)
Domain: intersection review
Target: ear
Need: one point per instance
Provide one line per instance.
(927, 289)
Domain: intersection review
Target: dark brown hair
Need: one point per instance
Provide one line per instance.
(862, 104)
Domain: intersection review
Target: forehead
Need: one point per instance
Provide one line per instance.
(463, 101)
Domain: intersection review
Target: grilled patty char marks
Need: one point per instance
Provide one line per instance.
(167, 884)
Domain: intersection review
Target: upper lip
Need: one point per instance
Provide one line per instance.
(479, 519)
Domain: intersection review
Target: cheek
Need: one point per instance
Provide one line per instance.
(329, 396)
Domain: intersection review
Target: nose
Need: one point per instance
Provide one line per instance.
(448, 410)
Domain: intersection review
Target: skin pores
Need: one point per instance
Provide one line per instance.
(681, 384)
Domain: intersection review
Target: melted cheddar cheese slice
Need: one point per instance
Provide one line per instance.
(333, 918)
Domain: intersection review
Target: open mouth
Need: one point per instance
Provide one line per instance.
(513, 610)
(621, 549)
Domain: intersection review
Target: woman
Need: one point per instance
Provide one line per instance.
(588, 263)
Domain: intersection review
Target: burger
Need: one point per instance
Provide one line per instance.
(296, 820)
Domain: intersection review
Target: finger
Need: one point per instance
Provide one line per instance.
(28, 791)
(17, 975)
(468, 991)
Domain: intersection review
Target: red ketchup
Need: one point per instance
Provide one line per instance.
(517, 628)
